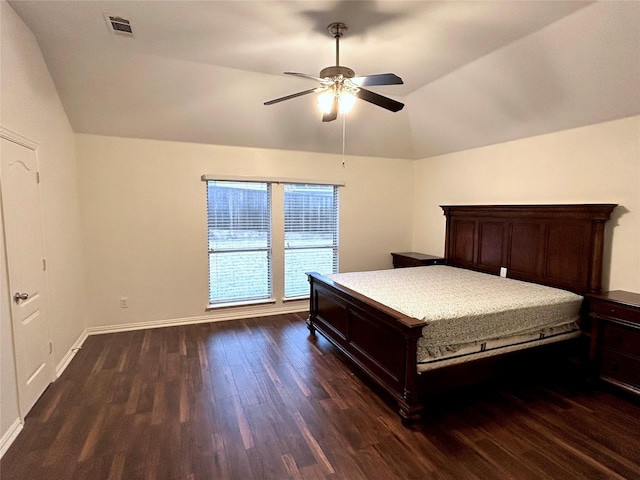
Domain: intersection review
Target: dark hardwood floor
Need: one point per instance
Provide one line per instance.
(260, 399)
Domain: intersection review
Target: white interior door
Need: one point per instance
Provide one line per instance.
(25, 261)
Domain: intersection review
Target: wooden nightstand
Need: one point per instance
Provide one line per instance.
(415, 259)
(615, 338)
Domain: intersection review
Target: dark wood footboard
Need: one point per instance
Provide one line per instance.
(379, 340)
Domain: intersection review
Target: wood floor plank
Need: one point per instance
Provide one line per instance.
(261, 399)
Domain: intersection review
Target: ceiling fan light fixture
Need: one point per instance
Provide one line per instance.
(343, 89)
(325, 101)
(346, 101)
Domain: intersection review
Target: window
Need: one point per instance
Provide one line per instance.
(239, 231)
(310, 234)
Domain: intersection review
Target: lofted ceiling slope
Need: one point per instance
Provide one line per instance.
(475, 72)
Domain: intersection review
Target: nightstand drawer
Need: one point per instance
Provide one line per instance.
(620, 368)
(623, 339)
(613, 310)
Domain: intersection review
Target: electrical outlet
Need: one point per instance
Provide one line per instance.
(503, 271)
(124, 302)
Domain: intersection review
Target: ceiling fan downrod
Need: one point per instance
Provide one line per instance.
(336, 29)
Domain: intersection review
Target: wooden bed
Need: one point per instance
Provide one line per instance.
(555, 245)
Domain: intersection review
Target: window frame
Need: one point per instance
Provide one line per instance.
(276, 252)
(334, 245)
(268, 251)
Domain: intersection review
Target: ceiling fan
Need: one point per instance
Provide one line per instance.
(339, 87)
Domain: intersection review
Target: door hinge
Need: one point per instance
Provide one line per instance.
(44, 264)
(50, 348)
(37, 177)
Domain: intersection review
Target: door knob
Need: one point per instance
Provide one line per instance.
(20, 296)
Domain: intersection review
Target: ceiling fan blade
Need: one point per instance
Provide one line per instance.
(379, 100)
(333, 114)
(378, 79)
(305, 75)
(288, 97)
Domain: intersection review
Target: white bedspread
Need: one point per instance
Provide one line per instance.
(462, 307)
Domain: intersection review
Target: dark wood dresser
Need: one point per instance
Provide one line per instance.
(415, 259)
(615, 338)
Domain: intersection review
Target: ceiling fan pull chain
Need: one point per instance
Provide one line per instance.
(344, 136)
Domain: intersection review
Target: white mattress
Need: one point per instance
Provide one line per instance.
(462, 308)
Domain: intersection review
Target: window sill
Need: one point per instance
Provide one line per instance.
(296, 299)
(248, 303)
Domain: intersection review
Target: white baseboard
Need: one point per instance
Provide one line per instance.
(71, 353)
(9, 436)
(236, 313)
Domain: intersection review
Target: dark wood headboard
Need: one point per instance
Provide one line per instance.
(556, 245)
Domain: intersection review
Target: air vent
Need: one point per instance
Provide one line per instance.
(119, 25)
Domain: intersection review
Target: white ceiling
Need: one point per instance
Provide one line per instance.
(475, 72)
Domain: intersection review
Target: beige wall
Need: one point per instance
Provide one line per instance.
(144, 219)
(30, 107)
(594, 164)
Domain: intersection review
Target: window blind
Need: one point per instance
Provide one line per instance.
(311, 234)
(239, 235)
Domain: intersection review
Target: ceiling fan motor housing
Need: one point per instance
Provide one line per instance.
(331, 72)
